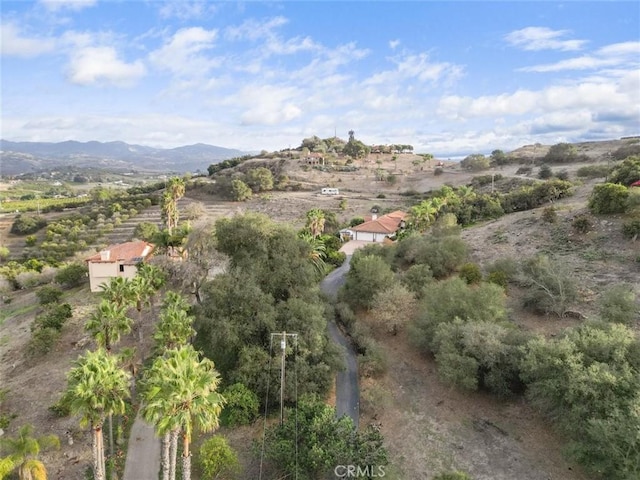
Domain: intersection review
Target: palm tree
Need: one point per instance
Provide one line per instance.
(175, 327)
(174, 191)
(108, 323)
(423, 214)
(23, 452)
(117, 291)
(180, 392)
(317, 252)
(97, 387)
(315, 222)
(141, 291)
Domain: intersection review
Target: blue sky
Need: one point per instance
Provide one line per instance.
(450, 78)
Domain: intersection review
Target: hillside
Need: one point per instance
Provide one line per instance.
(428, 425)
(23, 157)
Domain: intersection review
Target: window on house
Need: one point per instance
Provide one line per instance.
(122, 268)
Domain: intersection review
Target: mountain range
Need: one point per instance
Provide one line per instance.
(23, 157)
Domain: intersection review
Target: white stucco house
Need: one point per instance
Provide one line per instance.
(377, 228)
(118, 260)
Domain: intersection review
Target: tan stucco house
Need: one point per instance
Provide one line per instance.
(118, 260)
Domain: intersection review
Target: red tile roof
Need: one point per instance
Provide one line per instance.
(129, 252)
(389, 223)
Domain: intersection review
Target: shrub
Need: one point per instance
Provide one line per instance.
(146, 231)
(26, 224)
(416, 277)
(453, 298)
(550, 215)
(581, 224)
(470, 273)
(336, 258)
(392, 308)
(631, 228)
(368, 275)
(551, 285)
(356, 221)
(618, 304)
(30, 240)
(4, 252)
(72, 275)
(562, 175)
(626, 172)
(524, 171)
(217, 459)
(48, 294)
(42, 341)
(54, 317)
(438, 171)
(545, 172)
(593, 171)
(241, 406)
(373, 362)
(608, 198)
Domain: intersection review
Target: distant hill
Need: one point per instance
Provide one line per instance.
(23, 157)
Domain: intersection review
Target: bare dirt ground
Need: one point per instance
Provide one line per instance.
(428, 427)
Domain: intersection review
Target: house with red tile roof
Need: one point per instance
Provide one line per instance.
(377, 229)
(119, 260)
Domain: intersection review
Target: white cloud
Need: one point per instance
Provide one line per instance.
(608, 56)
(184, 53)
(55, 5)
(416, 67)
(542, 38)
(15, 43)
(101, 65)
(186, 10)
(268, 104)
(255, 30)
(393, 44)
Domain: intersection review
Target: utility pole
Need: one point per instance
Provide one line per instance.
(283, 347)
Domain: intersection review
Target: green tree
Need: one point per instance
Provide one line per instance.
(217, 459)
(259, 179)
(312, 441)
(180, 391)
(146, 231)
(454, 298)
(561, 153)
(24, 449)
(72, 275)
(475, 162)
(97, 387)
(368, 275)
(242, 406)
(107, 323)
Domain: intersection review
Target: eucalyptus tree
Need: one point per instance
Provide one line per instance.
(97, 387)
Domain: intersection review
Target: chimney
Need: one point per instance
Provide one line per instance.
(104, 255)
(374, 216)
